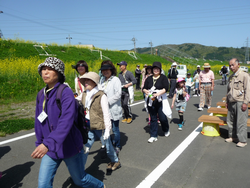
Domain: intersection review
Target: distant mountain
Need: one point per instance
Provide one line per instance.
(196, 51)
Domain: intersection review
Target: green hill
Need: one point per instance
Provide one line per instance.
(198, 51)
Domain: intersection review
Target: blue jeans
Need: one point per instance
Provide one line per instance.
(116, 131)
(76, 167)
(189, 89)
(197, 85)
(155, 109)
(97, 134)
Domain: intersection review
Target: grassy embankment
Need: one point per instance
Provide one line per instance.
(20, 81)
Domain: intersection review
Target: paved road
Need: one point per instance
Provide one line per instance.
(207, 162)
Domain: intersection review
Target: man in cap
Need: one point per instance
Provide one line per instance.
(138, 76)
(198, 68)
(172, 76)
(206, 86)
(127, 79)
(238, 97)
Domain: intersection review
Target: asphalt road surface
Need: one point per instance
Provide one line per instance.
(184, 159)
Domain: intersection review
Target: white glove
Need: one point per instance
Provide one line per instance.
(106, 134)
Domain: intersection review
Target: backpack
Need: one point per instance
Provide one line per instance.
(81, 121)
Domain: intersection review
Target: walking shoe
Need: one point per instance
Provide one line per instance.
(129, 120)
(229, 140)
(167, 134)
(116, 165)
(179, 127)
(241, 144)
(124, 120)
(200, 109)
(110, 166)
(194, 95)
(208, 107)
(152, 139)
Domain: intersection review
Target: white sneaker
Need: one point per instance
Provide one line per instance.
(200, 109)
(194, 95)
(152, 139)
(208, 107)
(167, 134)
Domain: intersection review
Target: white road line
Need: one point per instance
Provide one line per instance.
(17, 138)
(32, 134)
(137, 103)
(165, 164)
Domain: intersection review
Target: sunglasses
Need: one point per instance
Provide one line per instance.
(81, 65)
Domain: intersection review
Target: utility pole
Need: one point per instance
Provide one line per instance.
(1, 34)
(134, 39)
(247, 53)
(69, 38)
(151, 44)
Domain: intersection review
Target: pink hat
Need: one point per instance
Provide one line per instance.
(180, 79)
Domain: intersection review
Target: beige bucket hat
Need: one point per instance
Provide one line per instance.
(90, 75)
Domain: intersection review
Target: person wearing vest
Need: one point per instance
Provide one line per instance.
(58, 139)
(238, 97)
(81, 68)
(98, 117)
(172, 76)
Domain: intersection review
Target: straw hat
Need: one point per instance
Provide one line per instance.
(206, 65)
(90, 75)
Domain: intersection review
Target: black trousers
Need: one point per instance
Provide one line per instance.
(172, 87)
(137, 83)
(125, 104)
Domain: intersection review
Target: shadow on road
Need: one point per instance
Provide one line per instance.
(14, 175)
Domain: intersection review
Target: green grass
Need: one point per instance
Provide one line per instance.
(15, 125)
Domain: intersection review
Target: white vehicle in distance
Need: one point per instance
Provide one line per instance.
(245, 69)
(182, 71)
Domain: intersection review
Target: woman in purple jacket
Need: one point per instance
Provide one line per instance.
(58, 139)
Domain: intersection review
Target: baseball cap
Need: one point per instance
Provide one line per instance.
(198, 66)
(122, 63)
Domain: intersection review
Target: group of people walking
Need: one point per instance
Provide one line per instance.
(104, 98)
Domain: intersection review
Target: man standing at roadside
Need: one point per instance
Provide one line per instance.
(128, 80)
(138, 76)
(238, 97)
(172, 76)
(206, 86)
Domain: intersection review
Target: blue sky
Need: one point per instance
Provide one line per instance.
(110, 24)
